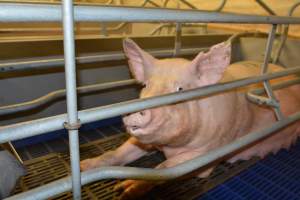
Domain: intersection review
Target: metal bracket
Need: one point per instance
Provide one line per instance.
(271, 99)
(74, 126)
(260, 100)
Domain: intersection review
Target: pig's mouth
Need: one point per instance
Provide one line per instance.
(144, 129)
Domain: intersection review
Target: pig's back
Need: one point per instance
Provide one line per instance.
(264, 116)
(246, 69)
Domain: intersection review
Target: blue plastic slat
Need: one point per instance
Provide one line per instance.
(277, 177)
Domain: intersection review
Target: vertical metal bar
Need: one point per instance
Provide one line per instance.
(269, 48)
(177, 45)
(70, 74)
(267, 85)
(104, 29)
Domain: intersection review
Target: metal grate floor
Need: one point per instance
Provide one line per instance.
(51, 167)
(275, 177)
(90, 133)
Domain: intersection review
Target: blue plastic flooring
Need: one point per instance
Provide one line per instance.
(275, 177)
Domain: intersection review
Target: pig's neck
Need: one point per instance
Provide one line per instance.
(220, 119)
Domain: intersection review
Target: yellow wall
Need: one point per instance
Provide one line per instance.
(281, 7)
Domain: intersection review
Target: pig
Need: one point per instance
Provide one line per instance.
(185, 130)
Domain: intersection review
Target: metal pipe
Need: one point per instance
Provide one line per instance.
(71, 93)
(221, 6)
(123, 24)
(277, 86)
(58, 61)
(265, 7)
(40, 126)
(101, 173)
(177, 44)
(267, 86)
(188, 4)
(9, 109)
(268, 49)
(15, 108)
(254, 95)
(284, 34)
(32, 13)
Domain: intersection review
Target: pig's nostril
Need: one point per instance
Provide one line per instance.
(142, 113)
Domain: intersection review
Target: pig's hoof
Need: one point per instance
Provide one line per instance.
(133, 189)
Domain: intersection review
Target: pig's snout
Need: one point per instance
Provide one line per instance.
(137, 120)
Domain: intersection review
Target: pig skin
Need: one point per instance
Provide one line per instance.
(189, 129)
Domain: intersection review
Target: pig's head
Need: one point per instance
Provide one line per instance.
(167, 124)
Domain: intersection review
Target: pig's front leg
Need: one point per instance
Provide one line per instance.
(133, 189)
(131, 150)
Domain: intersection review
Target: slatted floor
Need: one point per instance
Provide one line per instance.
(276, 177)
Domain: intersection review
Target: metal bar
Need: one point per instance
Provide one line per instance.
(261, 100)
(58, 61)
(278, 86)
(40, 126)
(101, 173)
(265, 65)
(268, 49)
(32, 12)
(15, 152)
(284, 34)
(15, 108)
(265, 7)
(188, 4)
(177, 45)
(72, 113)
(254, 95)
(122, 25)
(221, 6)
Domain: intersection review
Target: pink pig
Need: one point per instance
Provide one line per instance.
(189, 129)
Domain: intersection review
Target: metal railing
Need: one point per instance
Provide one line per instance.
(31, 13)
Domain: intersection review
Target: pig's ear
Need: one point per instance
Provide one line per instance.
(210, 66)
(140, 62)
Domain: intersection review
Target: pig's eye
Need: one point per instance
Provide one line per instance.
(144, 85)
(179, 89)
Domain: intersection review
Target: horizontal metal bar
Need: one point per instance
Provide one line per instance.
(58, 61)
(10, 109)
(101, 173)
(40, 126)
(254, 95)
(278, 86)
(51, 13)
